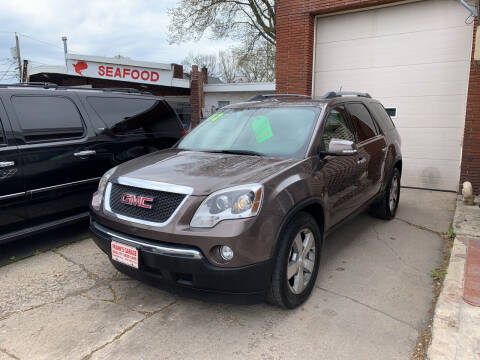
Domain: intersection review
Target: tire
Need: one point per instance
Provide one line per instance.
(385, 209)
(291, 292)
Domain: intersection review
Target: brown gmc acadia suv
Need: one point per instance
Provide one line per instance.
(239, 209)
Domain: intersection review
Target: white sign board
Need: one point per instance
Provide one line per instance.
(119, 72)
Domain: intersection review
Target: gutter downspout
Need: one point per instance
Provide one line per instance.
(472, 10)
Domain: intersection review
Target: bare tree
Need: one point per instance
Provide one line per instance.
(227, 65)
(257, 65)
(251, 22)
(237, 19)
(208, 61)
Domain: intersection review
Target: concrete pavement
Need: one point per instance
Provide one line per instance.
(371, 301)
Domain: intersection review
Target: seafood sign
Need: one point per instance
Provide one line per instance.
(119, 72)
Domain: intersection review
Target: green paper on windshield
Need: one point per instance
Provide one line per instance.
(215, 117)
(261, 128)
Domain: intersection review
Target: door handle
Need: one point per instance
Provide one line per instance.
(5, 164)
(361, 161)
(84, 153)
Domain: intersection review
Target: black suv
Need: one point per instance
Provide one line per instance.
(240, 207)
(56, 143)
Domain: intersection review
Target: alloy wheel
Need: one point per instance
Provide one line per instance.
(301, 261)
(394, 192)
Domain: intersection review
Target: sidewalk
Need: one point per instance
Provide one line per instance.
(456, 324)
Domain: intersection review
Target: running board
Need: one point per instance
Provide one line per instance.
(43, 227)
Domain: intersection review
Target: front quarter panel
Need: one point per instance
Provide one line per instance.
(291, 191)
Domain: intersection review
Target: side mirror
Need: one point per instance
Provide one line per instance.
(339, 147)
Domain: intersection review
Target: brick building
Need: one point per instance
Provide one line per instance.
(417, 57)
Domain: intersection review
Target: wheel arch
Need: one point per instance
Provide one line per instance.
(313, 206)
(398, 164)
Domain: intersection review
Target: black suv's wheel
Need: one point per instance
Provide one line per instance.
(296, 267)
(386, 208)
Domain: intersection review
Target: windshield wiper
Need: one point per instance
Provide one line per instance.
(237, 152)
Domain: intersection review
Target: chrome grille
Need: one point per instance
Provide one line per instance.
(163, 205)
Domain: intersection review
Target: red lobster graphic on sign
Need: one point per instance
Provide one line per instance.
(80, 66)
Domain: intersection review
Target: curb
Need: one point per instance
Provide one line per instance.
(446, 320)
(456, 322)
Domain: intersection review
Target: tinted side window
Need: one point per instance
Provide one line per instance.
(383, 116)
(337, 127)
(362, 121)
(47, 117)
(128, 116)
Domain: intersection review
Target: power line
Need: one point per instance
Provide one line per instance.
(40, 41)
(6, 72)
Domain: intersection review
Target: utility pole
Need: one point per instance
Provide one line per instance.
(64, 39)
(25, 71)
(18, 59)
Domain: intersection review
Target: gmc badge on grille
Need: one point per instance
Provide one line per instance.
(136, 200)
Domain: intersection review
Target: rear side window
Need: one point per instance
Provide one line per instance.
(362, 121)
(383, 116)
(125, 116)
(46, 118)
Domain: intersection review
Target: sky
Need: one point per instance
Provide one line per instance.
(135, 28)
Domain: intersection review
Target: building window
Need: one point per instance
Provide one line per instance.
(391, 111)
(222, 104)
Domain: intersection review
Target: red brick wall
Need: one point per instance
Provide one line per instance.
(471, 139)
(197, 99)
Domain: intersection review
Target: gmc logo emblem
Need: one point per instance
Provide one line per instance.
(137, 200)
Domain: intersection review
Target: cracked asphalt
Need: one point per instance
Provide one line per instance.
(371, 301)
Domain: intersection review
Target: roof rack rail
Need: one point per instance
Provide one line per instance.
(127, 90)
(49, 85)
(334, 94)
(261, 97)
(45, 85)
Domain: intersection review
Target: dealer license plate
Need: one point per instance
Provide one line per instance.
(125, 254)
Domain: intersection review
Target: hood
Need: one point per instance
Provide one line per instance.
(204, 172)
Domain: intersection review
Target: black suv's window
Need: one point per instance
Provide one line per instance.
(362, 121)
(337, 127)
(47, 118)
(129, 116)
(383, 116)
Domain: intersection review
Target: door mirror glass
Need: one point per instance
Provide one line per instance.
(339, 147)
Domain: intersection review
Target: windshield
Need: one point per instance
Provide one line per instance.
(276, 132)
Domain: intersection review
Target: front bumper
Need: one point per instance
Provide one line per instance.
(185, 270)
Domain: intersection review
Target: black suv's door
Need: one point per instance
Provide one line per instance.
(58, 159)
(131, 126)
(12, 190)
(340, 173)
(371, 151)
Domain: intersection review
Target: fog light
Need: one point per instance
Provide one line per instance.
(226, 253)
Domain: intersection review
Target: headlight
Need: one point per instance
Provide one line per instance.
(98, 195)
(237, 202)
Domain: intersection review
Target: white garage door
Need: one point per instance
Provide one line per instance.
(413, 57)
